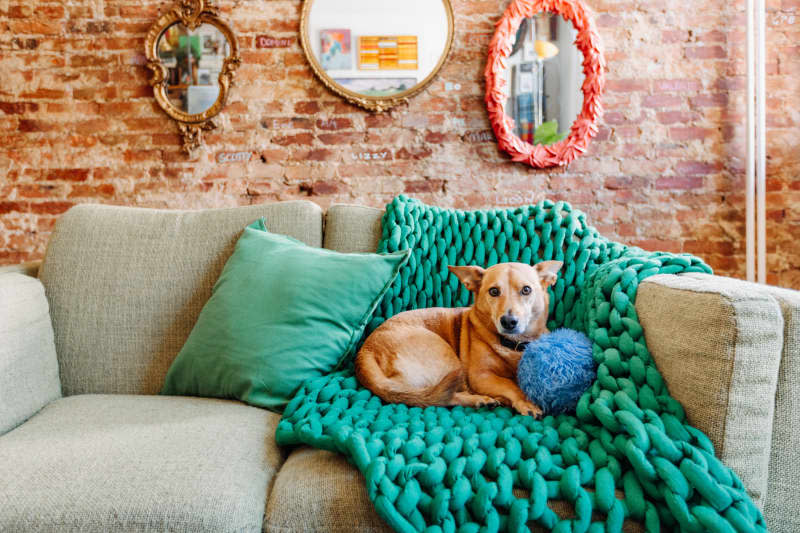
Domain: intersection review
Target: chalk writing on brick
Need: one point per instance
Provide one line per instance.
(234, 157)
(265, 41)
(371, 156)
(479, 136)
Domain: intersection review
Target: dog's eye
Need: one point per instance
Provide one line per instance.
(525, 290)
(494, 291)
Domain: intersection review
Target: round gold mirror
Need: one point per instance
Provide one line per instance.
(376, 53)
(193, 55)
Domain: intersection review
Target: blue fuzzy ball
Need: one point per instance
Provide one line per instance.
(556, 369)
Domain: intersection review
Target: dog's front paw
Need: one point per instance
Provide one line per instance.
(527, 408)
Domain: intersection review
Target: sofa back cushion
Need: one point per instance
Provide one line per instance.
(28, 367)
(352, 228)
(783, 496)
(126, 285)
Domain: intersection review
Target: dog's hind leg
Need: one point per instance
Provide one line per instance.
(467, 399)
(411, 365)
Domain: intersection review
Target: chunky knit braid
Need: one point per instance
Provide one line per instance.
(628, 452)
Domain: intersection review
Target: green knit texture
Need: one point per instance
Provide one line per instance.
(628, 453)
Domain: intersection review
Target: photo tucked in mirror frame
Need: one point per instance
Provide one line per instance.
(544, 79)
(193, 55)
(376, 53)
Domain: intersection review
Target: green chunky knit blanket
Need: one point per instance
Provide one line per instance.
(629, 451)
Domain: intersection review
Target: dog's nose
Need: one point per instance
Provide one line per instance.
(508, 322)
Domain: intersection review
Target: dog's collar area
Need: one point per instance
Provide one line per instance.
(513, 345)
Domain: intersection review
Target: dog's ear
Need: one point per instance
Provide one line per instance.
(470, 276)
(548, 272)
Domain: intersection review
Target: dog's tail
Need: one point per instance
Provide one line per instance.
(391, 390)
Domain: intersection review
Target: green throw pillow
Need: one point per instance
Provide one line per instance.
(281, 312)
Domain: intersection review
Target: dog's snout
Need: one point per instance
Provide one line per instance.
(509, 322)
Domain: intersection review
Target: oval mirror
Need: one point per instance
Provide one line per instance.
(376, 53)
(544, 80)
(193, 55)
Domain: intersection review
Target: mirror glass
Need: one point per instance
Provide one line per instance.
(194, 60)
(543, 78)
(378, 48)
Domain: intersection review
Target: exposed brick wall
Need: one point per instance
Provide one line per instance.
(78, 124)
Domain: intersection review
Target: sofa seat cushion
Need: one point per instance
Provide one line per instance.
(319, 491)
(138, 463)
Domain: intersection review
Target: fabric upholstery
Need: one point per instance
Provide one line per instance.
(126, 285)
(31, 268)
(97, 463)
(317, 491)
(28, 365)
(352, 228)
(783, 493)
(717, 342)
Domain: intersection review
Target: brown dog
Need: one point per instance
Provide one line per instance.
(464, 356)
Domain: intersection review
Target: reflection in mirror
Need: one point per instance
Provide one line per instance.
(543, 77)
(378, 48)
(194, 60)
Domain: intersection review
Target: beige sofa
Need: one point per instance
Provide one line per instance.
(87, 445)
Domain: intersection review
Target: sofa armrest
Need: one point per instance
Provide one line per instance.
(31, 268)
(717, 342)
(28, 364)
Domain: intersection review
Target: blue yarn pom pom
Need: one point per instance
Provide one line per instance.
(556, 369)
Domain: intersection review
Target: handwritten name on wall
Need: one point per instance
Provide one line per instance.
(234, 157)
(266, 41)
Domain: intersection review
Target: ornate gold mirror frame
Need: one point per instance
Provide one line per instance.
(372, 103)
(191, 13)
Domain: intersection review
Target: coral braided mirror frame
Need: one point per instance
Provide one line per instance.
(585, 125)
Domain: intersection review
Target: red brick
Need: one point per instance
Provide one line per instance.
(662, 100)
(696, 168)
(300, 138)
(627, 85)
(705, 52)
(50, 208)
(317, 188)
(317, 154)
(679, 182)
(13, 207)
(378, 121)
(36, 27)
(71, 174)
(430, 185)
(674, 117)
(18, 108)
(341, 138)
(44, 93)
(710, 100)
(673, 36)
(690, 133)
(105, 190)
(306, 108)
